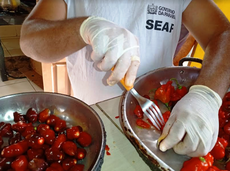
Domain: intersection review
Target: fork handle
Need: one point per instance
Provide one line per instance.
(122, 81)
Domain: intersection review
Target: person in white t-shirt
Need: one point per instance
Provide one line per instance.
(136, 37)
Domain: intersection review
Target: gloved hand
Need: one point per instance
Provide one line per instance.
(112, 46)
(192, 128)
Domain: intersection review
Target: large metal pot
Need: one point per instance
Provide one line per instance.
(74, 111)
(145, 140)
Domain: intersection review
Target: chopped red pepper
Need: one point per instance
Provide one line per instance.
(146, 96)
(142, 123)
(198, 163)
(107, 150)
(166, 116)
(156, 103)
(214, 168)
(138, 111)
(179, 92)
(218, 151)
(163, 93)
(116, 117)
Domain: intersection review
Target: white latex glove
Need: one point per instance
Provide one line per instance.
(192, 128)
(112, 46)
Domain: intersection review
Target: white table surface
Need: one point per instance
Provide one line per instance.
(124, 156)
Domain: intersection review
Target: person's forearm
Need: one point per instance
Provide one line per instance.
(50, 41)
(215, 72)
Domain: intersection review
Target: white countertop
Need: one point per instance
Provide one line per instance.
(124, 156)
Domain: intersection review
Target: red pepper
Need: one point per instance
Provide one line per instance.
(20, 163)
(166, 116)
(198, 163)
(213, 168)
(107, 150)
(142, 124)
(163, 93)
(227, 97)
(138, 111)
(226, 106)
(226, 128)
(218, 151)
(156, 103)
(222, 134)
(15, 150)
(222, 122)
(221, 113)
(227, 165)
(179, 92)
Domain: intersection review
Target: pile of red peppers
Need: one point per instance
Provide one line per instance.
(167, 93)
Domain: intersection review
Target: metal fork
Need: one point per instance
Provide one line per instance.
(150, 109)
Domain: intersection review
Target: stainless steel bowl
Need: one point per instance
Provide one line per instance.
(145, 140)
(74, 111)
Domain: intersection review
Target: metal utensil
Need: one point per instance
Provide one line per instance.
(150, 109)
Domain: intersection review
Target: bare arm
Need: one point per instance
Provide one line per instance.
(47, 36)
(211, 29)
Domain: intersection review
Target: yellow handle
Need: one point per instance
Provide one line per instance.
(122, 81)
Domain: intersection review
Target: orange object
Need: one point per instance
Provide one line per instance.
(122, 81)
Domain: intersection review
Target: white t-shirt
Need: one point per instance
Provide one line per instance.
(156, 23)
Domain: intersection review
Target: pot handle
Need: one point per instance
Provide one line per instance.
(191, 59)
